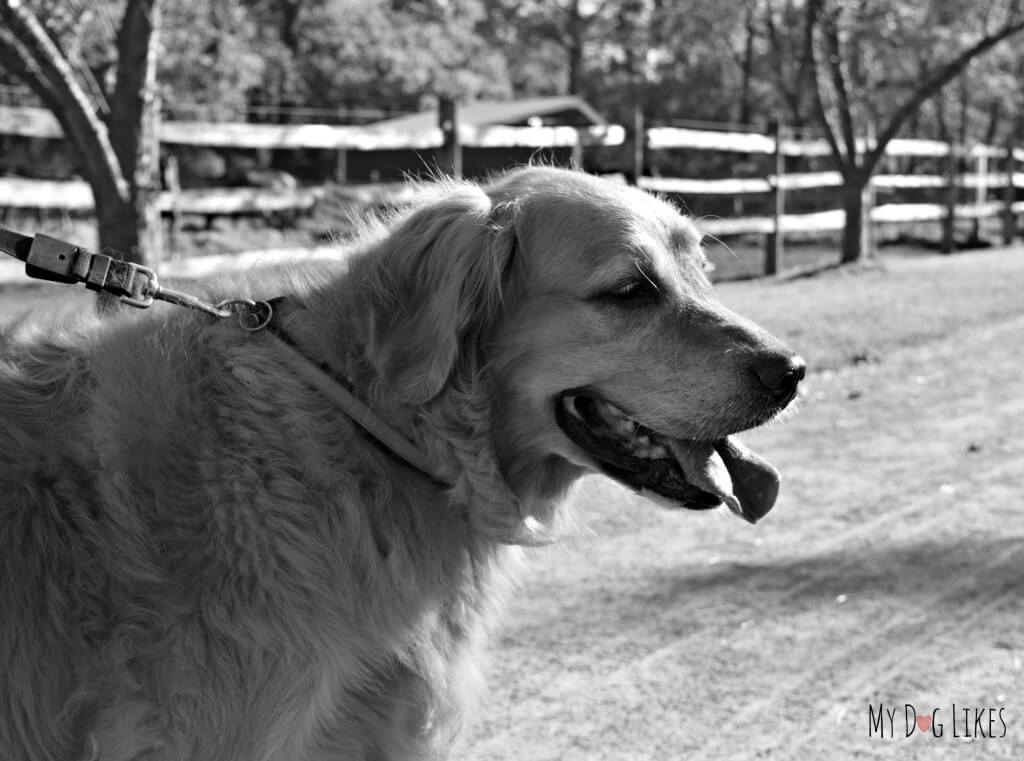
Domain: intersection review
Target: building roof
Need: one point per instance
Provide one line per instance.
(568, 110)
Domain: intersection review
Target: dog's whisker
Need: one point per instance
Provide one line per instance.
(723, 244)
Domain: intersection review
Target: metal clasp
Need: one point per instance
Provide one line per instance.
(143, 295)
(252, 315)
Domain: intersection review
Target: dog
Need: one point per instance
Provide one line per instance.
(203, 557)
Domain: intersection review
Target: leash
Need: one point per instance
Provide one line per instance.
(55, 260)
(51, 259)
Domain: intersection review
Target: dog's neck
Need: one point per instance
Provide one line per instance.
(333, 326)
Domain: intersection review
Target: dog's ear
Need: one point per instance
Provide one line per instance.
(444, 267)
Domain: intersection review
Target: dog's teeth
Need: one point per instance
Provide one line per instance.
(651, 452)
(617, 419)
(623, 426)
(569, 403)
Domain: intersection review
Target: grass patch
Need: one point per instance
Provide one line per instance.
(850, 315)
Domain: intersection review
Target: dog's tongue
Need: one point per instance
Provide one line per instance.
(742, 479)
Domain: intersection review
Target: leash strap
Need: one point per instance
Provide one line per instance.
(55, 260)
(51, 259)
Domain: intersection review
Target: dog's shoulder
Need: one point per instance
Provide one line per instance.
(44, 376)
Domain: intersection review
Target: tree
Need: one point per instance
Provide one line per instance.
(278, 40)
(118, 155)
(545, 41)
(857, 50)
(788, 61)
(368, 53)
(211, 56)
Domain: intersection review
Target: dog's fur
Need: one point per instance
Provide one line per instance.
(202, 558)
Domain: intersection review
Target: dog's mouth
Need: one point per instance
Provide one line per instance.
(696, 475)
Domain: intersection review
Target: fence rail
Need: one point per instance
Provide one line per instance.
(833, 219)
(76, 196)
(25, 121)
(811, 180)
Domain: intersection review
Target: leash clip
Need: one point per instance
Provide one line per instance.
(252, 315)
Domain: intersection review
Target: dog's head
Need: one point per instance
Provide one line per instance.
(605, 347)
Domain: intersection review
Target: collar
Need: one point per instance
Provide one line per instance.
(339, 390)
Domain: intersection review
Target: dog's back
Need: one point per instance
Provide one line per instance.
(54, 589)
(202, 559)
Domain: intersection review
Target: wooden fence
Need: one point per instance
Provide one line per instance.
(981, 179)
(450, 137)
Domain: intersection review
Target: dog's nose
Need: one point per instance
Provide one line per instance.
(781, 374)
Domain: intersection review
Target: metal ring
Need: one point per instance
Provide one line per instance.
(252, 315)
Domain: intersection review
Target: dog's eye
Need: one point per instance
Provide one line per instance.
(633, 290)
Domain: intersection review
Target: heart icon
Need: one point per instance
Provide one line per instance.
(924, 723)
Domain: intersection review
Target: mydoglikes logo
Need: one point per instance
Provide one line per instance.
(957, 721)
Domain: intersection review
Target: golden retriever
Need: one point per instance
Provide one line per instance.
(202, 558)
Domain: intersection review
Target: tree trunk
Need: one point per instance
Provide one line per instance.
(745, 106)
(134, 123)
(858, 241)
(132, 228)
(575, 27)
(290, 10)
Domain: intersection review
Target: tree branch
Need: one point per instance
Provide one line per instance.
(135, 85)
(29, 51)
(775, 44)
(813, 8)
(805, 68)
(830, 30)
(16, 59)
(933, 85)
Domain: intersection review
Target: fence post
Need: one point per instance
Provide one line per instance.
(773, 241)
(948, 243)
(980, 190)
(172, 184)
(633, 147)
(1009, 195)
(641, 142)
(449, 157)
(341, 167)
(868, 238)
(576, 160)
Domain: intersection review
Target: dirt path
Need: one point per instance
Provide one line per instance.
(891, 572)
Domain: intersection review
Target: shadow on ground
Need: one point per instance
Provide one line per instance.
(891, 575)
